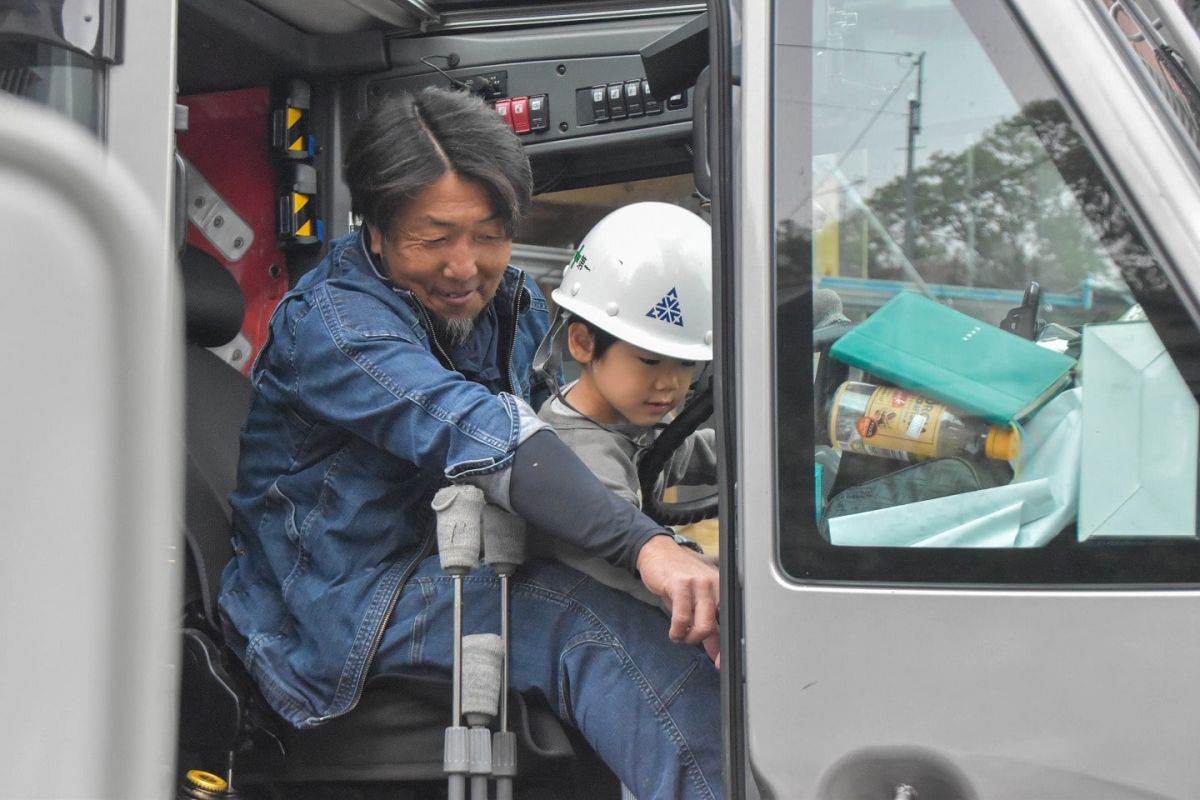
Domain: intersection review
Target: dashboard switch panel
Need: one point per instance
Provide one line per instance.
(611, 95)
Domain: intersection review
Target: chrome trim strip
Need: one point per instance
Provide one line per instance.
(421, 10)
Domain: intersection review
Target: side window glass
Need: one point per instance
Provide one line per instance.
(1001, 373)
(53, 76)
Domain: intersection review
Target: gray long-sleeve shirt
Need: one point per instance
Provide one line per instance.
(612, 453)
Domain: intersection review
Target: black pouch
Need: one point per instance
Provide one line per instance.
(925, 480)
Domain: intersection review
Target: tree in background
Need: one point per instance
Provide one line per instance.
(1025, 203)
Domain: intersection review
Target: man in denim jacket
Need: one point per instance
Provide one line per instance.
(404, 362)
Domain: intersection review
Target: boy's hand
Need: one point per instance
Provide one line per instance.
(690, 588)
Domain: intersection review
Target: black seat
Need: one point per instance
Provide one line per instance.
(395, 733)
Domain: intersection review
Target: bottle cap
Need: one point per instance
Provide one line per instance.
(1002, 444)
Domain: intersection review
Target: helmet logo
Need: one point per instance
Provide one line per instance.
(667, 309)
(579, 260)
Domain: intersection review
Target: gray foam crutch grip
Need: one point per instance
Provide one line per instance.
(459, 512)
(482, 654)
(503, 539)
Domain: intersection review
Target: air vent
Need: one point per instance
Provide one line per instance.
(21, 81)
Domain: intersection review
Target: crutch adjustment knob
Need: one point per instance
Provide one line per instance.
(504, 754)
(456, 751)
(480, 746)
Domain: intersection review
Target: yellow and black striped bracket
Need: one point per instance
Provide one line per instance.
(297, 130)
(304, 215)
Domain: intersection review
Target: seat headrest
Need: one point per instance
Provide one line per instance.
(213, 301)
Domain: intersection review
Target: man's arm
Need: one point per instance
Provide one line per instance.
(553, 490)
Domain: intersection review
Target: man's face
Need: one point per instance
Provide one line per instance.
(448, 247)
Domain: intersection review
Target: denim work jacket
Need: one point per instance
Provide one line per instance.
(358, 418)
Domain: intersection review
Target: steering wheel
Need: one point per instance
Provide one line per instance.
(650, 469)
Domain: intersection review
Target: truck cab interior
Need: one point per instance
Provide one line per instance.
(602, 94)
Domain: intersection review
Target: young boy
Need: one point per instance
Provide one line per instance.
(637, 298)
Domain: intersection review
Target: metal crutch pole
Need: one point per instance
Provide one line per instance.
(481, 691)
(459, 511)
(504, 551)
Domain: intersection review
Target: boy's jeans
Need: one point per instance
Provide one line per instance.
(649, 707)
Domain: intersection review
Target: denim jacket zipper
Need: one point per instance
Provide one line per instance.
(448, 362)
(512, 338)
(441, 351)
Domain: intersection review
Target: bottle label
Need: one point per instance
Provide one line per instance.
(900, 420)
(917, 425)
(891, 424)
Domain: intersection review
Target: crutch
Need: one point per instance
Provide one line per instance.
(481, 691)
(504, 550)
(459, 511)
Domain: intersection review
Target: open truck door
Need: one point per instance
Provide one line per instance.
(90, 406)
(906, 634)
(91, 496)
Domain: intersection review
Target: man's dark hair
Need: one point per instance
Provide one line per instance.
(409, 141)
(601, 339)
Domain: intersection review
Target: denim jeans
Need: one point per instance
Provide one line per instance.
(650, 708)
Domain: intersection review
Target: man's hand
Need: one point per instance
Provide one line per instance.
(690, 588)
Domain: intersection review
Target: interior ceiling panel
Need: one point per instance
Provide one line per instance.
(321, 17)
(340, 16)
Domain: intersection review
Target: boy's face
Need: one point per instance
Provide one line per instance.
(627, 383)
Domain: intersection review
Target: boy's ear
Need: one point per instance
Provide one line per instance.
(580, 342)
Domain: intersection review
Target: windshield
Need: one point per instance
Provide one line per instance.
(934, 189)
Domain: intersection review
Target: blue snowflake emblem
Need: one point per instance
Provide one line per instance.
(667, 309)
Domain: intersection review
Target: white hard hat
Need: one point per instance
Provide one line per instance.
(644, 275)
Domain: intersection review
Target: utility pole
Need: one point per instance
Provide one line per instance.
(972, 261)
(914, 127)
